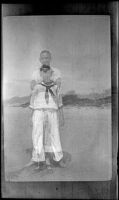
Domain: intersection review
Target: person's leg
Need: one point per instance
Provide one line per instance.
(48, 163)
(55, 136)
(38, 154)
(47, 141)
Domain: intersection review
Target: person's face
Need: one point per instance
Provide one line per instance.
(45, 58)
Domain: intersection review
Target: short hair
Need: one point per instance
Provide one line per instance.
(45, 51)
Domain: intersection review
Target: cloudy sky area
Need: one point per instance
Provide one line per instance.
(80, 47)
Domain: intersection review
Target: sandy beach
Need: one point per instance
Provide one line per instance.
(86, 137)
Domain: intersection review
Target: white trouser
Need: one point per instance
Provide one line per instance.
(45, 135)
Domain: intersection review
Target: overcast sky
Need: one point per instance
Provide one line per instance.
(80, 47)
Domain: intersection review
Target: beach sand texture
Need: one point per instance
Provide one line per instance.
(85, 137)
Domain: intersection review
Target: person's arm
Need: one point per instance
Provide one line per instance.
(61, 115)
(60, 103)
(35, 79)
(60, 109)
(57, 75)
(58, 83)
(33, 83)
(31, 114)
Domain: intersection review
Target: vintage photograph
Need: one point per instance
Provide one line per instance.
(57, 98)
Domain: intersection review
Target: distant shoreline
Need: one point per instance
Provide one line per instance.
(69, 99)
(69, 102)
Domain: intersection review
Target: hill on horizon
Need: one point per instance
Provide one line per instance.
(70, 98)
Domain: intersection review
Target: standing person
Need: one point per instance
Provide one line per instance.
(47, 112)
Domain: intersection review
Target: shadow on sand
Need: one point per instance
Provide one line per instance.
(36, 168)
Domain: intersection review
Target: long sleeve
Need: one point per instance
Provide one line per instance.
(56, 74)
(36, 76)
(58, 79)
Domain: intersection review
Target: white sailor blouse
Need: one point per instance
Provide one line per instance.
(46, 95)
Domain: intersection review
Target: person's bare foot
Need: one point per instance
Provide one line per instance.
(62, 164)
(48, 164)
(50, 170)
(47, 161)
(38, 166)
